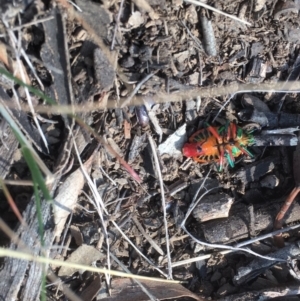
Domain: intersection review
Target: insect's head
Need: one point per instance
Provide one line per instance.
(192, 150)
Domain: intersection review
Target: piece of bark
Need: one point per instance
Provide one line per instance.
(213, 206)
(137, 145)
(21, 118)
(284, 8)
(255, 171)
(7, 150)
(55, 54)
(259, 265)
(17, 273)
(238, 225)
(104, 71)
(257, 69)
(269, 119)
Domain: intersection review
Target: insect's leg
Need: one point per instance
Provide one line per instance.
(221, 162)
(198, 159)
(213, 131)
(245, 151)
(226, 131)
(233, 129)
(196, 137)
(229, 156)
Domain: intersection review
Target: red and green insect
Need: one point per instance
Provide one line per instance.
(214, 144)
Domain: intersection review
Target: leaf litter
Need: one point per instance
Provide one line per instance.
(154, 221)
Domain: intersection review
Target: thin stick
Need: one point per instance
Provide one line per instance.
(223, 106)
(98, 204)
(11, 202)
(244, 243)
(220, 246)
(199, 3)
(160, 97)
(196, 40)
(18, 182)
(117, 25)
(16, 28)
(278, 239)
(147, 237)
(163, 201)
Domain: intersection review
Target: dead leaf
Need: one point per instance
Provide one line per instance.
(67, 196)
(143, 5)
(76, 234)
(91, 291)
(136, 20)
(115, 146)
(173, 145)
(127, 290)
(85, 255)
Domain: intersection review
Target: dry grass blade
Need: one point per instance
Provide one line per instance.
(162, 191)
(99, 205)
(38, 259)
(147, 237)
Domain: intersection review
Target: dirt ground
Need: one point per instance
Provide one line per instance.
(166, 133)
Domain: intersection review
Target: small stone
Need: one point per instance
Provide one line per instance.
(226, 289)
(216, 276)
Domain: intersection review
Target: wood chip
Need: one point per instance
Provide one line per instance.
(127, 129)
